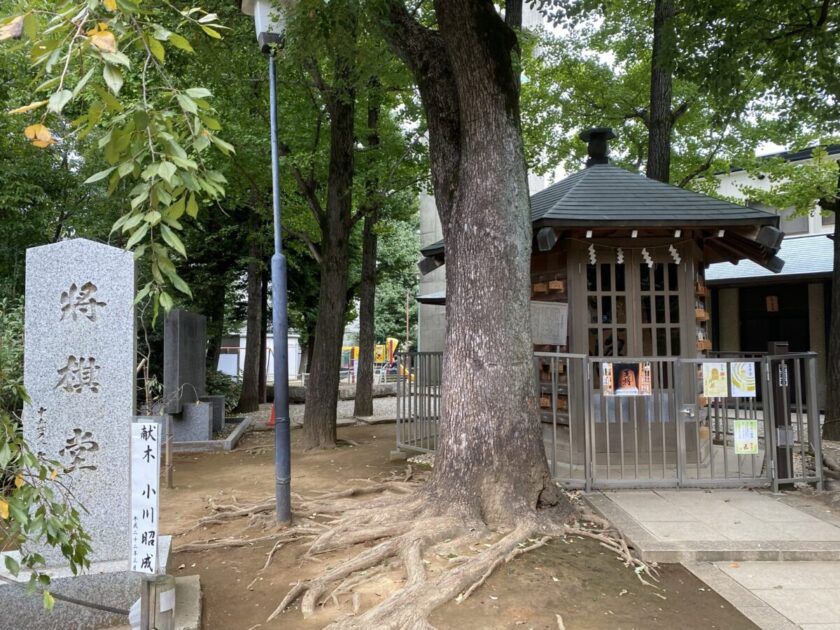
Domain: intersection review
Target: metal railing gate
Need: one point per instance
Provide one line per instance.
(613, 422)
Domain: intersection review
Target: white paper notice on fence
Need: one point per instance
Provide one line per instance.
(714, 380)
(746, 437)
(145, 496)
(742, 379)
(549, 323)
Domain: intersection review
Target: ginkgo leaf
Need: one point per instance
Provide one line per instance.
(104, 41)
(19, 481)
(4, 509)
(111, 5)
(28, 108)
(13, 29)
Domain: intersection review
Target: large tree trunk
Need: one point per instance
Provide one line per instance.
(661, 74)
(319, 421)
(490, 460)
(363, 405)
(249, 398)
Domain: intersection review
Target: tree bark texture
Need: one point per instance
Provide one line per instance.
(363, 405)
(263, 335)
(490, 461)
(249, 398)
(319, 422)
(661, 76)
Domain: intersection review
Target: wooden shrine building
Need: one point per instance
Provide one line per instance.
(628, 254)
(627, 389)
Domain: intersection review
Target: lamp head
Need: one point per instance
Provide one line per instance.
(269, 20)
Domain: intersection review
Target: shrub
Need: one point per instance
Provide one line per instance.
(220, 384)
(11, 355)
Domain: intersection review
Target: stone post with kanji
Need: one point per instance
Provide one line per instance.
(79, 371)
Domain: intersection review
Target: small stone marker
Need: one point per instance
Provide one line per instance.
(79, 361)
(217, 405)
(145, 495)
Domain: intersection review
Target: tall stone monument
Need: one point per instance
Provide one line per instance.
(184, 359)
(79, 371)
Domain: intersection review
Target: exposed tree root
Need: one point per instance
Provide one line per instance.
(516, 552)
(237, 541)
(437, 554)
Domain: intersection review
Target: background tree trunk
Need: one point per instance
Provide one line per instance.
(263, 335)
(319, 421)
(363, 405)
(215, 326)
(249, 399)
(661, 75)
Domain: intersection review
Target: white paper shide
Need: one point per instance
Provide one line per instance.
(145, 496)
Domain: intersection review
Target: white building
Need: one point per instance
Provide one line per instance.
(232, 355)
(752, 306)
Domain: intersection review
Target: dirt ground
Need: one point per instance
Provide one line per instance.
(575, 578)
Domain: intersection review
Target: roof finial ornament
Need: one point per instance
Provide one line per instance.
(597, 149)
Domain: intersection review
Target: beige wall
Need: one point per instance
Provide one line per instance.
(816, 332)
(431, 319)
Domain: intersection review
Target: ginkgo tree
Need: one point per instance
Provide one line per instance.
(103, 64)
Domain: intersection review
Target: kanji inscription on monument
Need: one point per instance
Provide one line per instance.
(79, 372)
(77, 302)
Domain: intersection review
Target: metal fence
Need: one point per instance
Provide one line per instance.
(418, 400)
(722, 421)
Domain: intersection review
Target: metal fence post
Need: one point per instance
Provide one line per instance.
(814, 427)
(585, 367)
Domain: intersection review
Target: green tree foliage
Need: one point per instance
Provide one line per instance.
(398, 253)
(596, 72)
(104, 66)
(803, 187)
(36, 507)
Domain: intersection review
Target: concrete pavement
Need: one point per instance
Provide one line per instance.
(776, 558)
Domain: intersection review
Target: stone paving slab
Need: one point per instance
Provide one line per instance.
(778, 594)
(721, 525)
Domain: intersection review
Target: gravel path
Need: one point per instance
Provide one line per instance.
(384, 410)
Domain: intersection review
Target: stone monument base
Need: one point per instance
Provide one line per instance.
(195, 423)
(105, 583)
(217, 403)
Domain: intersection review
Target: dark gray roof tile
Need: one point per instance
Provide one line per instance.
(604, 194)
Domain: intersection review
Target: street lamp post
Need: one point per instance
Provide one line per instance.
(270, 26)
